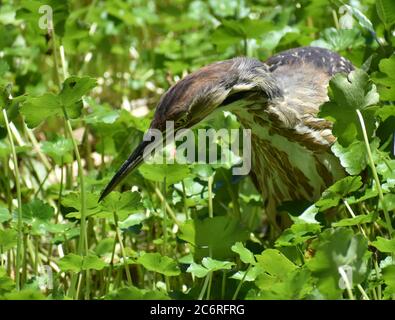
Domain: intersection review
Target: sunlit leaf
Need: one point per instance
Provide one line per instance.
(347, 94)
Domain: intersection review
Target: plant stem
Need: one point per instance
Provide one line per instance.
(210, 196)
(335, 19)
(375, 175)
(209, 286)
(110, 268)
(353, 215)
(83, 241)
(184, 196)
(168, 209)
(223, 285)
(241, 283)
(347, 283)
(19, 197)
(201, 295)
(365, 296)
(125, 262)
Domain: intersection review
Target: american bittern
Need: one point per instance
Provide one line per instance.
(279, 101)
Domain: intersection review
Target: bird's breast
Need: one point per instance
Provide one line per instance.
(288, 163)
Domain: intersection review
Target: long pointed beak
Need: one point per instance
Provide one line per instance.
(128, 166)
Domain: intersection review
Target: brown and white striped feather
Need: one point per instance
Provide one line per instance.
(291, 157)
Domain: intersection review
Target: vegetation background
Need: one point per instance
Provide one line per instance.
(76, 99)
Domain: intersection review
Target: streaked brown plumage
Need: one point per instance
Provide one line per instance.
(279, 101)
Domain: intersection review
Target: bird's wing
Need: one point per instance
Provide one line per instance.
(321, 58)
(303, 75)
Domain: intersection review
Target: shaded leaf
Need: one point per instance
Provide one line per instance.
(338, 248)
(218, 234)
(158, 263)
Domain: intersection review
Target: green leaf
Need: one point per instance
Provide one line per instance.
(104, 246)
(92, 262)
(298, 234)
(5, 150)
(389, 200)
(60, 150)
(352, 157)
(339, 39)
(100, 113)
(245, 255)
(4, 215)
(338, 248)
(347, 94)
(132, 220)
(4, 67)
(384, 245)
(279, 278)
(362, 19)
(361, 219)
(37, 209)
(389, 280)
(308, 216)
(218, 234)
(76, 263)
(121, 203)
(25, 294)
(386, 11)
(197, 270)
(71, 262)
(208, 265)
(74, 88)
(158, 172)
(215, 265)
(73, 200)
(133, 293)
(275, 263)
(38, 214)
(331, 196)
(6, 283)
(29, 12)
(295, 286)
(386, 80)
(158, 263)
(37, 109)
(7, 239)
(252, 274)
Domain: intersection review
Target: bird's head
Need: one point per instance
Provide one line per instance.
(196, 96)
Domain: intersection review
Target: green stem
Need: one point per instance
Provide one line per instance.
(110, 268)
(223, 285)
(363, 292)
(375, 175)
(234, 197)
(125, 262)
(241, 283)
(18, 191)
(347, 283)
(83, 241)
(210, 196)
(377, 269)
(184, 196)
(209, 286)
(353, 215)
(205, 284)
(168, 208)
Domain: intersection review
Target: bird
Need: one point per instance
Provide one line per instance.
(278, 100)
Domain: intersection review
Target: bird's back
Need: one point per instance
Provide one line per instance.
(291, 145)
